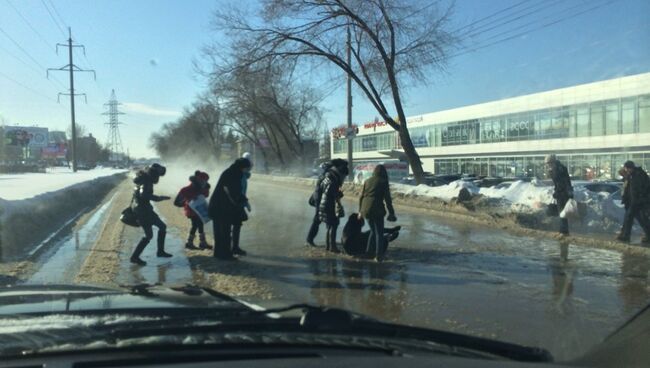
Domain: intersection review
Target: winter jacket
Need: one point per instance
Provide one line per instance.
(353, 240)
(561, 180)
(636, 191)
(227, 201)
(330, 189)
(143, 192)
(190, 193)
(375, 192)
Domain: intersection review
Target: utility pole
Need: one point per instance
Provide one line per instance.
(349, 133)
(71, 68)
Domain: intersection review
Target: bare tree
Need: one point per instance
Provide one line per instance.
(268, 104)
(394, 43)
(199, 132)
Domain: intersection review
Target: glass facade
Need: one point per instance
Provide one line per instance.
(621, 116)
(584, 167)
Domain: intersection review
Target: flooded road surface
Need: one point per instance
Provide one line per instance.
(170, 271)
(66, 252)
(448, 275)
(439, 273)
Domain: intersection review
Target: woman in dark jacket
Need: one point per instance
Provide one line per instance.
(147, 218)
(329, 208)
(375, 192)
(226, 208)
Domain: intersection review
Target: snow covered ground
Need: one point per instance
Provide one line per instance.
(602, 210)
(22, 186)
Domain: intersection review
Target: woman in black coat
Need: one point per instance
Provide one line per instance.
(329, 208)
(226, 208)
(147, 217)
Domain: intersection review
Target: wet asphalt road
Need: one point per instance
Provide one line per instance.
(439, 274)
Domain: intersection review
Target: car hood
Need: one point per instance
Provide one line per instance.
(50, 299)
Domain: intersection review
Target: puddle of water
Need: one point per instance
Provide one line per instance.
(174, 270)
(62, 262)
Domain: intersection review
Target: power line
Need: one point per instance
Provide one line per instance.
(56, 11)
(491, 15)
(545, 25)
(25, 52)
(28, 88)
(529, 24)
(29, 24)
(53, 19)
(21, 48)
(482, 29)
(21, 60)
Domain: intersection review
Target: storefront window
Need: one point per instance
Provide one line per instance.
(611, 118)
(340, 145)
(627, 116)
(644, 114)
(582, 122)
(597, 120)
(543, 125)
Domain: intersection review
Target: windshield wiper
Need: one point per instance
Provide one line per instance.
(334, 319)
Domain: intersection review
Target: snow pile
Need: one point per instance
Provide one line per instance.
(23, 186)
(522, 194)
(597, 210)
(444, 192)
(34, 205)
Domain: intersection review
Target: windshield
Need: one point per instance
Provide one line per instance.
(467, 166)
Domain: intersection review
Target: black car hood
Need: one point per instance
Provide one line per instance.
(52, 299)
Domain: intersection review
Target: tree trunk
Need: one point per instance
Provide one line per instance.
(411, 155)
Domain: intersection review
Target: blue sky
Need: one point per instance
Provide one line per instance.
(144, 50)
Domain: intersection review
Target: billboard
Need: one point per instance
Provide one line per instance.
(31, 137)
(396, 170)
(55, 151)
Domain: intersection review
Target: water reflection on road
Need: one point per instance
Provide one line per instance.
(451, 275)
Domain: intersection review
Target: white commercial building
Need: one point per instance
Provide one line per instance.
(593, 128)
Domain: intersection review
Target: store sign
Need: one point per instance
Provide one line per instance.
(33, 137)
(396, 170)
(461, 133)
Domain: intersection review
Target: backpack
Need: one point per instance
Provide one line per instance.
(179, 201)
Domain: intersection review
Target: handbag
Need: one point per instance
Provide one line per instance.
(128, 216)
(552, 210)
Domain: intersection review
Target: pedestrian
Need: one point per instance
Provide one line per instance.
(236, 231)
(314, 200)
(636, 198)
(147, 217)
(226, 208)
(563, 191)
(376, 192)
(355, 241)
(198, 186)
(329, 204)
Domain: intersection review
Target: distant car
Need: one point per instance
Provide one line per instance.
(503, 185)
(488, 181)
(598, 187)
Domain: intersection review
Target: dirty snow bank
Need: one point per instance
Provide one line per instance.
(22, 186)
(599, 211)
(45, 203)
(526, 201)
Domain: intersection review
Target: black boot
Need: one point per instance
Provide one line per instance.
(135, 257)
(190, 242)
(161, 244)
(236, 250)
(203, 243)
